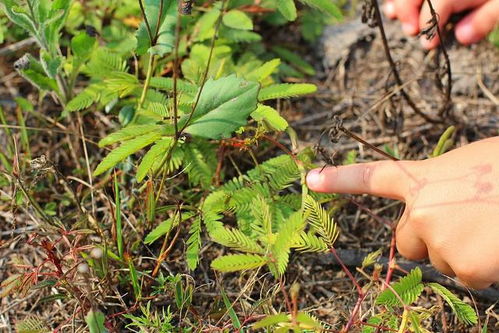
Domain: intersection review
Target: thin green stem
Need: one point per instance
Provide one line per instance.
(150, 68)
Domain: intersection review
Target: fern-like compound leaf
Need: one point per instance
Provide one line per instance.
(264, 71)
(286, 90)
(320, 221)
(238, 262)
(128, 133)
(407, 288)
(309, 242)
(193, 244)
(237, 240)
(31, 324)
(166, 83)
(126, 149)
(270, 117)
(288, 235)
(326, 6)
(464, 312)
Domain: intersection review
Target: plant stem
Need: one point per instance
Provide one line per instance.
(403, 324)
(393, 66)
(150, 68)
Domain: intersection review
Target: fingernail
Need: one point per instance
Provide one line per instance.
(409, 29)
(314, 178)
(465, 33)
(389, 9)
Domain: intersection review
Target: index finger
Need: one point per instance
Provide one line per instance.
(389, 179)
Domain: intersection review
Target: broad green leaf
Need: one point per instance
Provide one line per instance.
(18, 15)
(166, 20)
(164, 227)
(126, 149)
(270, 116)
(238, 20)
(238, 262)
(95, 322)
(223, 107)
(56, 17)
(287, 9)
(326, 6)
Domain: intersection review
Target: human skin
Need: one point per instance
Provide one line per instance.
(414, 15)
(452, 206)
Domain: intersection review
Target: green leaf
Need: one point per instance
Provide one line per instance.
(407, 288)
(270, 116)
(18, 15)
(288, 235)
(125, 150)
(95, 322)
(230, 309)
(128, 133)
(193, 244)
(294, 60)
(82, 46)
(31, 324)
(238, 262)
(271, 320)
(166, 83)
(264, 71)
(238, 20)
(153, 156)
(166, 226)
(166, 20)
(464, 312)
(326, 6)
(235, 239)
(287, 8)
(286, 90)
(223, 107)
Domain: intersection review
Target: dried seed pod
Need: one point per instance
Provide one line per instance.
(186, 7)
(22, 63)
(91, 31)
(369, 14)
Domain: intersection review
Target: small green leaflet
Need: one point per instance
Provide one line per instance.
(238, 20)
(95, 322)
(270, 116)
(287, 8)
(238, 262)
(223, 107)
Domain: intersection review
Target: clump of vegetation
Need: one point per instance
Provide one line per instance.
(190, 93)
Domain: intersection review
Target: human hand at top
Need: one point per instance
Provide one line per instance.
(415, 14)
(452, 206)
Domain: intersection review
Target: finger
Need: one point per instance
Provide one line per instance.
(444, 9)
(409, 243)
(389, 9)
(476, 25)
(439, 263)
(408, 13)
(390, 179)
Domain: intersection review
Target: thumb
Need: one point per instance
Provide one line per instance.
(390, 179)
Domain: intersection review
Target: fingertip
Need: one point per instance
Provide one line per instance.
(389, 10)
(314, 180)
